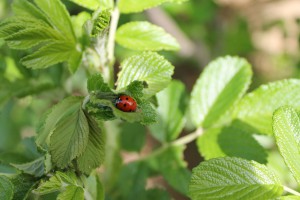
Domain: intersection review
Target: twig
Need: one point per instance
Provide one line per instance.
(188, 138)
(290, 190)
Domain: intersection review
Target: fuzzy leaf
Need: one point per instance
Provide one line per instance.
(32, 36)
(54, 184)
(50, 54)
(64, 108)
(219, 87)
(6, 188)
(286, 128)
(149, 67)
(144, 36)
(27, 9)
(69, 138)
(233, 178)
(170, 121)
(15, 24)
(96, 83)
(58, 16)
(93, 155)
(230, 141)
(254, 112)
(35, 168)
(72, 192)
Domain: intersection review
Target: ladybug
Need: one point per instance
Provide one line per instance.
(126, 103)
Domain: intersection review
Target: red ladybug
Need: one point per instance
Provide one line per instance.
(126, 103)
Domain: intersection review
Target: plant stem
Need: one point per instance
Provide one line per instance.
(188, 138)
(111, 42)
(290, 190)
(181, 141)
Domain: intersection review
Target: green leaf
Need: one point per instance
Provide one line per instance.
(286, 128)
(27, 9)
(23, 185)
(30, 37)
(35, 168)
(149, 67)
(50, 54)
(230, 141)
(6, 188)
(69, 138)
(15, 24)
(131, 6)
(254, 112)
(64, 108)
(144, 36)
(171, 164)
(72, 192)
(219, 87)
(95, 4)
(233, 178)
(58, 16)
(93, 155)
(170, 121)
(132, 136)
(54, 184)
(96, 83)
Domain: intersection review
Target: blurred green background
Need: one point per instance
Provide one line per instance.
(266, 33)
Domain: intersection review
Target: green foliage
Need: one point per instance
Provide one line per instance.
(93, 155)
(230, 141)
(35, 168)
(69, 138)
(96, 83)
(6, 188)
(254, 112)
(80, 132)
(47, 23)
(149, 67)
(72, 192)
(219, 87)
(286, 128)
(233, 178)
(53, 117)
(144, 36)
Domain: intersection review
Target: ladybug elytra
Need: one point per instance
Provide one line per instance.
(126, 103)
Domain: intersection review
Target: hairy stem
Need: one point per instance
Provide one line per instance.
(111, 42)
(181, 141)
(289, 190)
(188, 138)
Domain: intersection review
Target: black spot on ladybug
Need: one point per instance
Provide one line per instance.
(124, 105)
